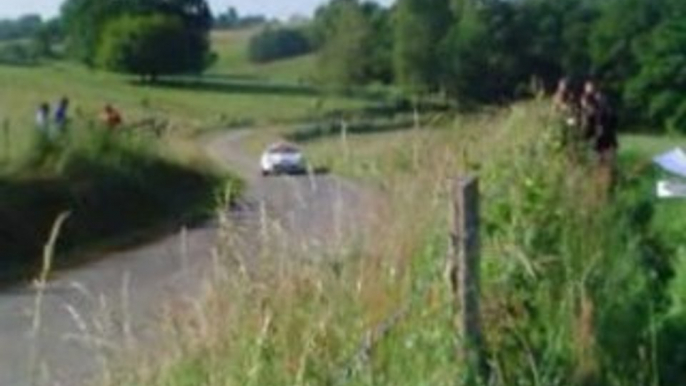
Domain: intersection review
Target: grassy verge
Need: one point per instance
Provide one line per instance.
(117, 187)
(579, 288)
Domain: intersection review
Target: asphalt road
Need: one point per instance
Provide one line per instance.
(89, 314)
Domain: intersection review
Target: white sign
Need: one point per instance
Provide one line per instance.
(673, 162)
(671, 189)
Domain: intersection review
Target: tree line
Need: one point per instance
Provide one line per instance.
(492, 51)
(27, 39)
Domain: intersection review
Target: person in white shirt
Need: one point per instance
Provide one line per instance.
(43, 118)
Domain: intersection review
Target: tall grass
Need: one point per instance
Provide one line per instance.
(573, 287)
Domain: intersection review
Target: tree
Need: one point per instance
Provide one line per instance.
(623, 23)
(658, 88)
(21, 28)
(466, 52)
(86, 20)
(148, 46)
(418, 25)
(45, 38)
(353, 40)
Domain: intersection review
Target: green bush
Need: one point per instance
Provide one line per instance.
(18, 54)
(280, 43)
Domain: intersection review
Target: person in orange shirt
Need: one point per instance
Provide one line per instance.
(111, 117)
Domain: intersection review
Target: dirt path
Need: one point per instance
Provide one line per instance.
(90, 313)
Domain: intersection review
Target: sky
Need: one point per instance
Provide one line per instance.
(270, 8)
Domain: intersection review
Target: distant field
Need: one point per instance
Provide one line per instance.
(232, 48)
(233, 93)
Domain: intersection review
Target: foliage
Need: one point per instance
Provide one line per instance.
(490, 51)
(658, 88)
(353, 41)
(86, 20)
(278, 43)
(18, 54)
(148, 46)
(418, 25)
(21, 28)
(230, 19)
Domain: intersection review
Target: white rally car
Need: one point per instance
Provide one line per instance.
(282, 158)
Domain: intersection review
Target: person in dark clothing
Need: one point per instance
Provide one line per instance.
(598, 122)
(62, 114)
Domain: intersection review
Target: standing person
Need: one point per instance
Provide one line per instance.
(564, 101)
(111, 117)
(600, 129)
(599, 123)
(62, 114)
(43, 118)
(566, 105)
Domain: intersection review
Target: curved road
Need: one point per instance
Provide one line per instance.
(90, 313)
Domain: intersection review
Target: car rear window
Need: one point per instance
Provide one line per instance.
(284, 149)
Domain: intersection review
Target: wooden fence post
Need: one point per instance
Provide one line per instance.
(465, 270)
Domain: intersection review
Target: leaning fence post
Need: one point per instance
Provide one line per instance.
(465, 278)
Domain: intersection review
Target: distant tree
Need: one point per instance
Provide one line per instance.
(419, 25)
(45, 38)
(659, 89)
(555, 37)
(231, 19)
(380, 51)
(465, 53)
(278, 43)
(354, 41)
(623, 23)
(21, 28)
(85, 21)
(148, 46)
(228, 19)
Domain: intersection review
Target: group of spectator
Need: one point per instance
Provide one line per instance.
(54, 124)
(590, 120)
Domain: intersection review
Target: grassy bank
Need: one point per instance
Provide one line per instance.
(578, 286)
(117, 186)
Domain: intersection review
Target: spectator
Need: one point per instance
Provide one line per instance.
(43, 118)
(599, 123)
(111, 117)
(566, 104)
(564, 101)
(62, 114)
